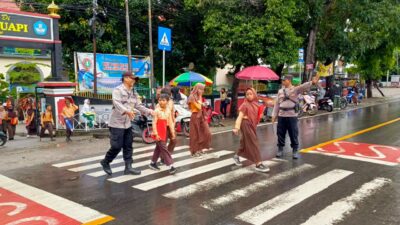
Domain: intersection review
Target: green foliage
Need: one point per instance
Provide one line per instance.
(24, 73)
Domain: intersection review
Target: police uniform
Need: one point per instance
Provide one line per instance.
(124, 100)
(285, 111)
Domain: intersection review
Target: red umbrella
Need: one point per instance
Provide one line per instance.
(257, 73)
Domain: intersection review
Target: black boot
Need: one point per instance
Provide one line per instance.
(296, 154)
(279, 154)
(129, 170)
(106, 167)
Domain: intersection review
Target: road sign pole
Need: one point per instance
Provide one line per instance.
(163, 68)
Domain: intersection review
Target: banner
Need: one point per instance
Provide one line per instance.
(109, 68)
(325, 71)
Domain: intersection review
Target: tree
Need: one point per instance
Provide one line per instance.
(245, 33)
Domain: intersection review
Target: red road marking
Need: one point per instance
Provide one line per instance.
(15, 209)
(363, 151)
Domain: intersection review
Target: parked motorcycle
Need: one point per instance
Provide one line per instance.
(182, 118)
(325, 104)
(307, 105)
(213, 118)
(3, 138)
(142, 128)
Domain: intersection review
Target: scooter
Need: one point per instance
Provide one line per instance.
(182, 118)
(213, 118)
(307, 105)
(142, 127)
(3, 138)
(325, 104)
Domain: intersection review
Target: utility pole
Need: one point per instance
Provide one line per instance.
(152, 86)
(128, 36)
(94, 48)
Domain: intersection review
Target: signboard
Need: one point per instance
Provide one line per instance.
(164, 39)
(301, 55)
(110, 68)
(18, 26)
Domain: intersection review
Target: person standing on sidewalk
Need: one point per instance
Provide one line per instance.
(199, 133)
(286, 110)
(68, 113)
(30, 121)
(12, 120)
(47, 122)
(125, 101)
(224, 101)
(163, 127)
(249, 116)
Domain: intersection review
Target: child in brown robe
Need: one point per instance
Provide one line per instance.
(249, 116)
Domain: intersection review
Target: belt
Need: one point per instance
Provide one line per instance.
(287, 109)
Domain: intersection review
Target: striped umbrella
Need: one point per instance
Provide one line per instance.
(190, 79)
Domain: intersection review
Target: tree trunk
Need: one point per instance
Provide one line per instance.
(368, 82)
(279, 70)
(235, 86)
(377, 87)
(310, 52)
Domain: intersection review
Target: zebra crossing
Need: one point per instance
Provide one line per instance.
(217, 164)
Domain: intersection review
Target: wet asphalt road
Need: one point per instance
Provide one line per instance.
(287, 182)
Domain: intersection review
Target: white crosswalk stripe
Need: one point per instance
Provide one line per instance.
(271, 208)
(264, 211)
(338, 210)
(116, 161)
(138, 164)
(235, 195)
(213, 182)
(96, 158)
(148, 172)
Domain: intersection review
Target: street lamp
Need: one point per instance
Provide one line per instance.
(151, 53)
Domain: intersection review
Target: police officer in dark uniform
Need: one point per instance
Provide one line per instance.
(286, 111)
(125, 100)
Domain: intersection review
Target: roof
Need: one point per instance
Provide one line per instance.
(9, 4)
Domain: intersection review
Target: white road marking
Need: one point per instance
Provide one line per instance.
(244, 192)
(136, 164)
(268, 210)
(183, 175)
(90, 159)
(338, 210)
(116, 161)
(213, 182)
(376, 161)
(71, 209)
(148, 172)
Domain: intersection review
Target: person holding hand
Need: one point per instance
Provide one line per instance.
(125, 101)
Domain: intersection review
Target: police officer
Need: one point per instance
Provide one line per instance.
(286, 110)
(125, 100)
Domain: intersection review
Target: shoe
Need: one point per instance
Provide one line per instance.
(296, 155)
(129, 170)
(262, 168)
(172, 170)
(197, 155)
(279, 154)
(53, 139)
(154, 166)
(28, 136)
(106, 167)
(10, 139)
(237, 160)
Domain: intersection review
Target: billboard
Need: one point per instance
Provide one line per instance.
(18, 26)
(109, 70)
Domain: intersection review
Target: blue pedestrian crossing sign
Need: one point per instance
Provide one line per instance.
(164, 39)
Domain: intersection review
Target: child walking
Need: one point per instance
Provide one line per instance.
(162, 121)
(249, 117)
